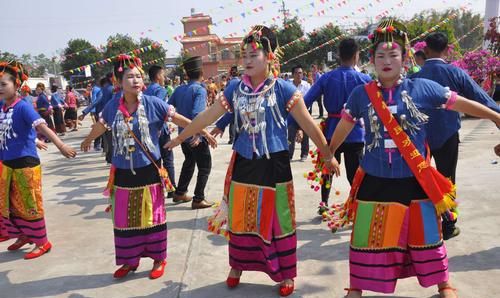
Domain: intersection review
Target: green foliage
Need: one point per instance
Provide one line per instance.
(319, 37)
(291, 32)
(157, 52)
(37, 66)
(80, 52)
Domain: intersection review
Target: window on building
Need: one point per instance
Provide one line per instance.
(225, 54)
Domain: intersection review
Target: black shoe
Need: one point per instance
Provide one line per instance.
(450, 230)
(170, 195)
(230, 142)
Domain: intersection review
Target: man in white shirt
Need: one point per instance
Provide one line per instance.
(293, 127)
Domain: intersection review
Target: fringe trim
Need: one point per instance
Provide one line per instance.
(447, 203)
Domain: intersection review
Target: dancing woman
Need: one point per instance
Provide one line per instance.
(137, 181)
(261, 195)
(21, 203)
(397, 197)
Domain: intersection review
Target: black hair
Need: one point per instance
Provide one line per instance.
(296, 67)
(12, 75)
(118, 74)
(234, 71)
(265, 36)
(153, 72)
(105, 80)
(420, 54)
(437, 42)
(69, 87)
(194, 75)
(53, 88)
(347, 49)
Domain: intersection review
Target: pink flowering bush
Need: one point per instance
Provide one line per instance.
(480, 64)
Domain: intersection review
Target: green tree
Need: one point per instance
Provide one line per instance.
(423, 21)
(291, 32)
(80, 52)
(119, 44)
(156, 52)
(463, 24)
(320, 38)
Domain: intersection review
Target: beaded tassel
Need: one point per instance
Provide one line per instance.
(414, 112)
(374, 128)
(6, 131)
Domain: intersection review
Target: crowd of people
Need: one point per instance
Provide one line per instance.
(387, 129)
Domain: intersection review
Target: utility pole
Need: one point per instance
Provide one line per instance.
(284, 11)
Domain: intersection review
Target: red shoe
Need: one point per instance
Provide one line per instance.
(41, 251)
(124, 270)
(233, 282)
(21, 241)
(157, 273)
(286, 290)
(2, 239)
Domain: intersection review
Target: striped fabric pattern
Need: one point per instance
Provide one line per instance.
(253, 210)
(392, 241)
(21, 204)
(140, 227)
(262, 229)
(34, 230)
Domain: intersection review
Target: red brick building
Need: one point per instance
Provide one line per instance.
(219, 54)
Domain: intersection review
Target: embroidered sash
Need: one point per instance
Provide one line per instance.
(438, 188)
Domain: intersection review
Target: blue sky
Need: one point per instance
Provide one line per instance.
(46, 26)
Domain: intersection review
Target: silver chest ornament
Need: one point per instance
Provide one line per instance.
(411, 123)
(123, 141)
(250, 109)
(6, 130)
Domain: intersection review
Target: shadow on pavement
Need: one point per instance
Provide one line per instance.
(478, 261)
(60, 285)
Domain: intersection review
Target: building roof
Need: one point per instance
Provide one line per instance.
(200, 38)
(196, 18)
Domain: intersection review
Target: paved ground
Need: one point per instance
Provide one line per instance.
(82, 260)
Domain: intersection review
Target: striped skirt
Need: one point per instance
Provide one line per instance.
(21, 203)
(396, 234)
(139, 217)
(261, 217)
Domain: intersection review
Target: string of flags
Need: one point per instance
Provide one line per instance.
(110, 59)
(480, 25)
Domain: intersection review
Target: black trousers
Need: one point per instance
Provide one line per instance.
(304, 145)
(231, 132)
(167, 157)
(199, 156)
(320, 105)
(353, 153)
(107, 143)
(446, 157)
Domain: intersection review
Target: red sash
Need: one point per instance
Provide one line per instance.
(438, 188)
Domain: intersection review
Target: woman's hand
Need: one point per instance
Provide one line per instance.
(173, 143)
(210, 139)
(332, 165)
(217, 132)
(67, 151)
(41, 145)
(299, 136)
(86, 144)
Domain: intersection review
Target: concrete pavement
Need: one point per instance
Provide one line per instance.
(81, 262)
